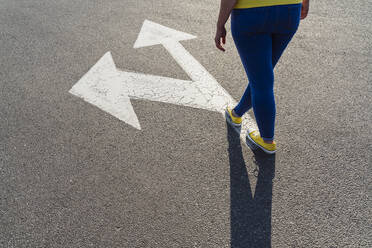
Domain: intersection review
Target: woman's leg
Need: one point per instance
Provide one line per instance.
(255, 50)
(259, 54)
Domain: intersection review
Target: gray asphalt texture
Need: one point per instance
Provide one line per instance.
(71, 175)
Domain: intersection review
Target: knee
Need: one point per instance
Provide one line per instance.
(265, 85)
(262, 80)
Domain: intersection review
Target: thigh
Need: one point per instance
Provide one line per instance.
(279, 44)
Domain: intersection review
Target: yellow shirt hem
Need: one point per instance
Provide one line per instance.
(245, 4)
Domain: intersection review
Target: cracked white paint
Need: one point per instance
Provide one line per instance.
(110, 89)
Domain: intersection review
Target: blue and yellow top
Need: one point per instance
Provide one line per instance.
(244, 4)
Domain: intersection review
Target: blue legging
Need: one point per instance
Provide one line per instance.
(261, 35)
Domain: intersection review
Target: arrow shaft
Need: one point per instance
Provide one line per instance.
(188, 63)
(162, 89)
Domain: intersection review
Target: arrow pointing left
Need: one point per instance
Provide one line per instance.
(111, 89)
(100, 88)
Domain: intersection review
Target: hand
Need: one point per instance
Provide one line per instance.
(305, 9)
(220, 37)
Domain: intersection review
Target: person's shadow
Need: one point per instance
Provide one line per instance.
(250, 215)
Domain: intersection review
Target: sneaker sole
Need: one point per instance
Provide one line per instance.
(262, 148)
(228, 118)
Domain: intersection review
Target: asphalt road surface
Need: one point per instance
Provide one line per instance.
(72, 175)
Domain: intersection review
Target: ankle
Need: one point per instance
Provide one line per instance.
(234, 114)
(269, 141)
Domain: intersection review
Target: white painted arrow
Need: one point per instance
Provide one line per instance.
(111, 89)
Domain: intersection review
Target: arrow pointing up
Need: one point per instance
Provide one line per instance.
(153, 34)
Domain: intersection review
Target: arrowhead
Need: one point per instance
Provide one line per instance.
(154, 34)
(100, 87)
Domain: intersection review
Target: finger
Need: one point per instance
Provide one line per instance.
(218, 44)
(220, 47)
(223, 40)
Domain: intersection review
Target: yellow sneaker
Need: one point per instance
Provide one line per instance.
(255, 138)
(236, 121)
